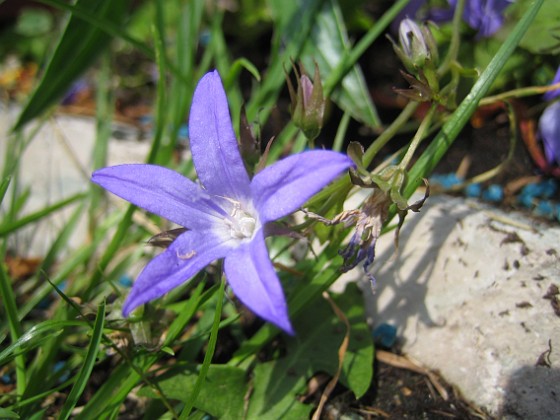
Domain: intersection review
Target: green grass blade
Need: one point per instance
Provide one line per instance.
(9, 227)
(35, 336)
(7, 414)
(16, 330)
(87, 367)
(450, 130)
(4, 187)
(78, 46)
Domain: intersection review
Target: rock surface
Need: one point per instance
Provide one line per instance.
(472, 293)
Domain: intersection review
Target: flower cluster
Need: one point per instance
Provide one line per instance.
(224, 217)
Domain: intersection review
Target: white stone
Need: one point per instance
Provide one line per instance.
(466, 295)
(55, 165)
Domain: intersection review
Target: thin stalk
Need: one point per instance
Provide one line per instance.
(418, 137)
(389, 132)
(453, 51)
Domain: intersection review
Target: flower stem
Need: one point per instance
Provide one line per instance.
(453, 51)
(389, 132)
(418, 137)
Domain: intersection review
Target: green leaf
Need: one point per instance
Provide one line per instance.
(315, 349)
(34, 22)
(543, 36)
(328, 46)
(7, 227)
(275, 392)
(7, 414)
(87, 367)
(222, 393)
(4, 187)
(77, 48)
(36, 335)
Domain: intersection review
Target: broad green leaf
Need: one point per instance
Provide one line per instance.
(319, 334)
(543, 36)
(222, 394)
(76, 50)
(328, 46)
(275, 393)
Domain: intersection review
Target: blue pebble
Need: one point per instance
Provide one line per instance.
(549, 187)
(526, 200)
(533, 190)
(545, 209)
(473, 190)
(446, 181)
(125, 281)
(184, 131)
(385, 335)
(493, 193)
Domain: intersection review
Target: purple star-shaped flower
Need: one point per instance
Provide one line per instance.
(227, 215)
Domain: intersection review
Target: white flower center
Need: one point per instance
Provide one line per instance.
(241, 223)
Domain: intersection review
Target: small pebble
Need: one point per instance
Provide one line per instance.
(544, 208)
(493, 193)
(473, 190)
(385, 335)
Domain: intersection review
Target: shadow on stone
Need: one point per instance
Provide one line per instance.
(532, 392)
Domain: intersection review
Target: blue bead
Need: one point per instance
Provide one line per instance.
(525, 200)
(385, 335)
(493, 193)
(549, 188)
(473, 190)
(125, 281)
(544, 208)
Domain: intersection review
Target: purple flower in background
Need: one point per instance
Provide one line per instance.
(551, 94)
(549, 130)
(226, 215)
(486, 16)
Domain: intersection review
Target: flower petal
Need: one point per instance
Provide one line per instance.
(185, 257)
(160, 191)
(549, 129)
(252, 278)
(214, 148)
(283, 187)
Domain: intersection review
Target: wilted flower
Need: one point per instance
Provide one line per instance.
(549, 130)
(308, 103)
(226, 215)
(370, 218)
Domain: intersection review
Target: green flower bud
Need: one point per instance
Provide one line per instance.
(308, 103)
